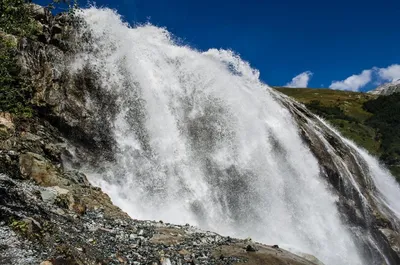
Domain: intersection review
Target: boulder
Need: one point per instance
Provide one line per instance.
(50, 194)
(39, 169)
(6, 125)
(77, 177)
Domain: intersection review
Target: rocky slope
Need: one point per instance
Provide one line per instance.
(387, 89)
(50, 214)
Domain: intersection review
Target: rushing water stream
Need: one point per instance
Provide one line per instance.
(202, 141)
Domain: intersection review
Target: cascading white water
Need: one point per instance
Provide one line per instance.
(388, 190)
(202, 141)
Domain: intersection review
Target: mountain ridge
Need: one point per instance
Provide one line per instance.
(387, 88)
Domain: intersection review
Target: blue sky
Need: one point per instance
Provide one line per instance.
(325, 40)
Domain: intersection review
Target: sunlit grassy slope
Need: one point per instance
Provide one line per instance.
(342, 109)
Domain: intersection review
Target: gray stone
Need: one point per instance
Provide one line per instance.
(77, 177)
(39, 12)
(48, 195)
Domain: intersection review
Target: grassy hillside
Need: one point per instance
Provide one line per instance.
(356, 116)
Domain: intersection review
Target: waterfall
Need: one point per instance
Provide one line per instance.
(201, 140)
(387, 189)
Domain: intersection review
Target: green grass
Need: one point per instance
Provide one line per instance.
(343, 109)
(351, 103)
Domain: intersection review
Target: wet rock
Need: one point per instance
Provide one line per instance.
(76, 177)
(394, 239)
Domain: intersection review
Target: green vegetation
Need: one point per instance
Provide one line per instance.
(371, 122)
(386, 120)
(26, 228)
(342, 109)
(15, 22)
(15, 92)
(16, 18)
(19, 226)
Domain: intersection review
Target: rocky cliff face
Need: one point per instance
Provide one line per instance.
(65, 99)
(50, 214)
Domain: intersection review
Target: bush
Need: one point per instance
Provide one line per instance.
(16, 18)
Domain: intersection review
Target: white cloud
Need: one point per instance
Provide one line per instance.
(354, 82)
(391, 73)
(375, 75)
(300, 80)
